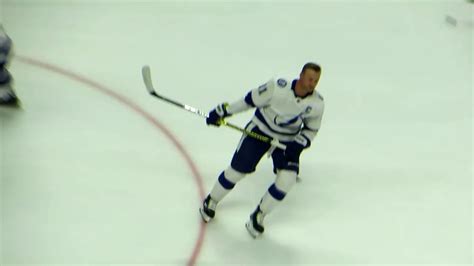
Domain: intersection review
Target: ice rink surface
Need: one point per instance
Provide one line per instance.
(94, 171)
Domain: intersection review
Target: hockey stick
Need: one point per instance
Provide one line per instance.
(146, 73)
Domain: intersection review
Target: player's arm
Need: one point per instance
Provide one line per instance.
(258, 97)
(311, 125)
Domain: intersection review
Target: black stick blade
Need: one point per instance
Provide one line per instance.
(146, 73)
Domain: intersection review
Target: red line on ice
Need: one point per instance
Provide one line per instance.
(123, 100)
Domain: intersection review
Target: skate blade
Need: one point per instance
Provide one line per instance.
(253, 233)
(204, 216)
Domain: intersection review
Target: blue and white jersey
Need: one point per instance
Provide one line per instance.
(280, 113)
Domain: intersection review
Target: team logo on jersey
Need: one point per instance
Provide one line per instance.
(308, 109)
(282, 121)
(281, 82)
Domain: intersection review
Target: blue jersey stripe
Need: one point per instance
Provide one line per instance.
(248, 99)
(260, 117)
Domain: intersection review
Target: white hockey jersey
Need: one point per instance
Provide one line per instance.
(280, 113)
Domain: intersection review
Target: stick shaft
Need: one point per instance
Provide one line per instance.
(146, 73)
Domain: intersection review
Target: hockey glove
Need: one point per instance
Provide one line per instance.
(216, 116)
(294, 148)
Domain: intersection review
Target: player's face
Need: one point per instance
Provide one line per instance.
(309, 79)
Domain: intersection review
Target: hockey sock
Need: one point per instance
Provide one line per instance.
(278, 190)
(225, 183)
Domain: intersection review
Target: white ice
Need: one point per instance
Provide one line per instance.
(85, 179)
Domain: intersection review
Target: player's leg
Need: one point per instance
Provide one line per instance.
(245, 159)
(286, 175)
(7, 94)
(224, 184)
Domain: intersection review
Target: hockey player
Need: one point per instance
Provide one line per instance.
(289, 111)
(7, 95)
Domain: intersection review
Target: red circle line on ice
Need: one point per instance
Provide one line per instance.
(134, 107)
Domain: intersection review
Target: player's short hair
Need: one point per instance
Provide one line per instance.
(312, 66)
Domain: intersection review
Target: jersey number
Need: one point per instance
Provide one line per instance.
(262, 89)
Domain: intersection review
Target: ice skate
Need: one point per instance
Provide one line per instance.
(208, 209)
(255, 224)
(8, 96)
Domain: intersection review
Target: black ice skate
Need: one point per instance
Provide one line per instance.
(208, 209)
(255, 224)
(8, 96)
(9, 100)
